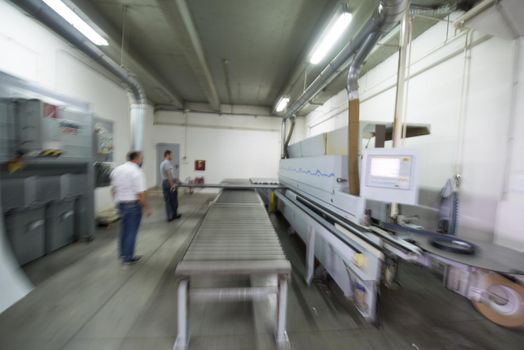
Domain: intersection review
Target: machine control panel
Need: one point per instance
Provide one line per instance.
(389, 175)
(390, 171)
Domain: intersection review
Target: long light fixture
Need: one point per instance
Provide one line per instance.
(70, 16)
(330, 37)
(282, 104)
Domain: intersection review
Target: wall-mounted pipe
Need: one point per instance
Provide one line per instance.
(405, 37)
(405, 34)
(51, 19)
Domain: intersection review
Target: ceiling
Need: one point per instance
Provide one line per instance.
(227, 52)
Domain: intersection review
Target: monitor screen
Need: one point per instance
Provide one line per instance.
(389, 175)
(389, 171)
(385, 167)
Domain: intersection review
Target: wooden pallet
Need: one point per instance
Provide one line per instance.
(107, 217)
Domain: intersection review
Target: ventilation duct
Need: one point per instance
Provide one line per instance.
(138, 99)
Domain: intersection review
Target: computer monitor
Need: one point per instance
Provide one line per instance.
(389, 175)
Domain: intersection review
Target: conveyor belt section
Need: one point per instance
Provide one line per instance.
(236, 238)
(238, 196)
(235, 232)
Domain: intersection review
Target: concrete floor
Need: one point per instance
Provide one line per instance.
(85, 299)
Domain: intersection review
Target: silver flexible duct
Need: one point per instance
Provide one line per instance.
(288, 138)
(387, 14)
(51, 19)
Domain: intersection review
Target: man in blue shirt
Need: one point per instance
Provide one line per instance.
(169, 186)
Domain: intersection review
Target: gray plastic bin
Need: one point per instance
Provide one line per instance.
(82, 222)
(59, 225)
(26, 233)
(18, 193)
(73, 185)
(48, 188)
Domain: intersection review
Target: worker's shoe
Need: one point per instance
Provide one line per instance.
(174, 218)
(133, 260)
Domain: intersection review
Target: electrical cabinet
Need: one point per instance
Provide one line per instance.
(44, 128)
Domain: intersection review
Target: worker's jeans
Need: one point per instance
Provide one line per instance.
(131, 215)
(171, 199)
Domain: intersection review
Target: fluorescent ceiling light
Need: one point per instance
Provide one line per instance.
(282, 104)
(330, 37)
(70, 16)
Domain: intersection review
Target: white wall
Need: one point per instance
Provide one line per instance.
(510, 221)
(233, 146)
(32, 52)
(434, 97)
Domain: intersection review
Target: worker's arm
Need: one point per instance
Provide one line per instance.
(169, 175)
(143, 202)
(141, 193)
(113, 187)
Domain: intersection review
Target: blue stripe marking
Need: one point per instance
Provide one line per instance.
(317, 173)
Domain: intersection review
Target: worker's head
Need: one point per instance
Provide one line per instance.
(167, 155)
(135, 157)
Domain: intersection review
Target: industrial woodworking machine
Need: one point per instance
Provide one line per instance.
(361, 253)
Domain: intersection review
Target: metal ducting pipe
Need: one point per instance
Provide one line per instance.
(288, 137)
(283, 139)
(433, 11)
(387, 14)
(51, 19)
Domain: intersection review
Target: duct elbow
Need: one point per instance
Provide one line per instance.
(352, 82)
(391, 12)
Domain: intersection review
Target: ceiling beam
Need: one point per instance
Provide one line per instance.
(133, 59)
(179, 18)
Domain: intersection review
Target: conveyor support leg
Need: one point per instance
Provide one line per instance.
(281, 336)
(183, 316)
(310, 255)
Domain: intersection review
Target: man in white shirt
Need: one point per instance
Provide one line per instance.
(169, 186)
(128, 187)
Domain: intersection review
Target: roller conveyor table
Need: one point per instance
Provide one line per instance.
(236, 238)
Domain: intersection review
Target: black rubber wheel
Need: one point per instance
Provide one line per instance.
(453, 245)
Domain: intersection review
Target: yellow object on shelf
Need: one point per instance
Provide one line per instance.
(359, 260)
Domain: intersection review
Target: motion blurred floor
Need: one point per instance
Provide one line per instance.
(85, 299)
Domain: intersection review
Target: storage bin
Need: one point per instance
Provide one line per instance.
(59, 224)
(26, 233)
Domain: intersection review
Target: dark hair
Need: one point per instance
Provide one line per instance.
(133, 155)
(166, 153)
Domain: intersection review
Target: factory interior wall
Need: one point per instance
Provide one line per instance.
(469, 134)
(32, 52)
(509, 223)
(233, 146)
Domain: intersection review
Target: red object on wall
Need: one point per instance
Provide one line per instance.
(200, 165)
(51, 111)
(199, 180)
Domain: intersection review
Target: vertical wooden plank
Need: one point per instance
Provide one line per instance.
(353, 146)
